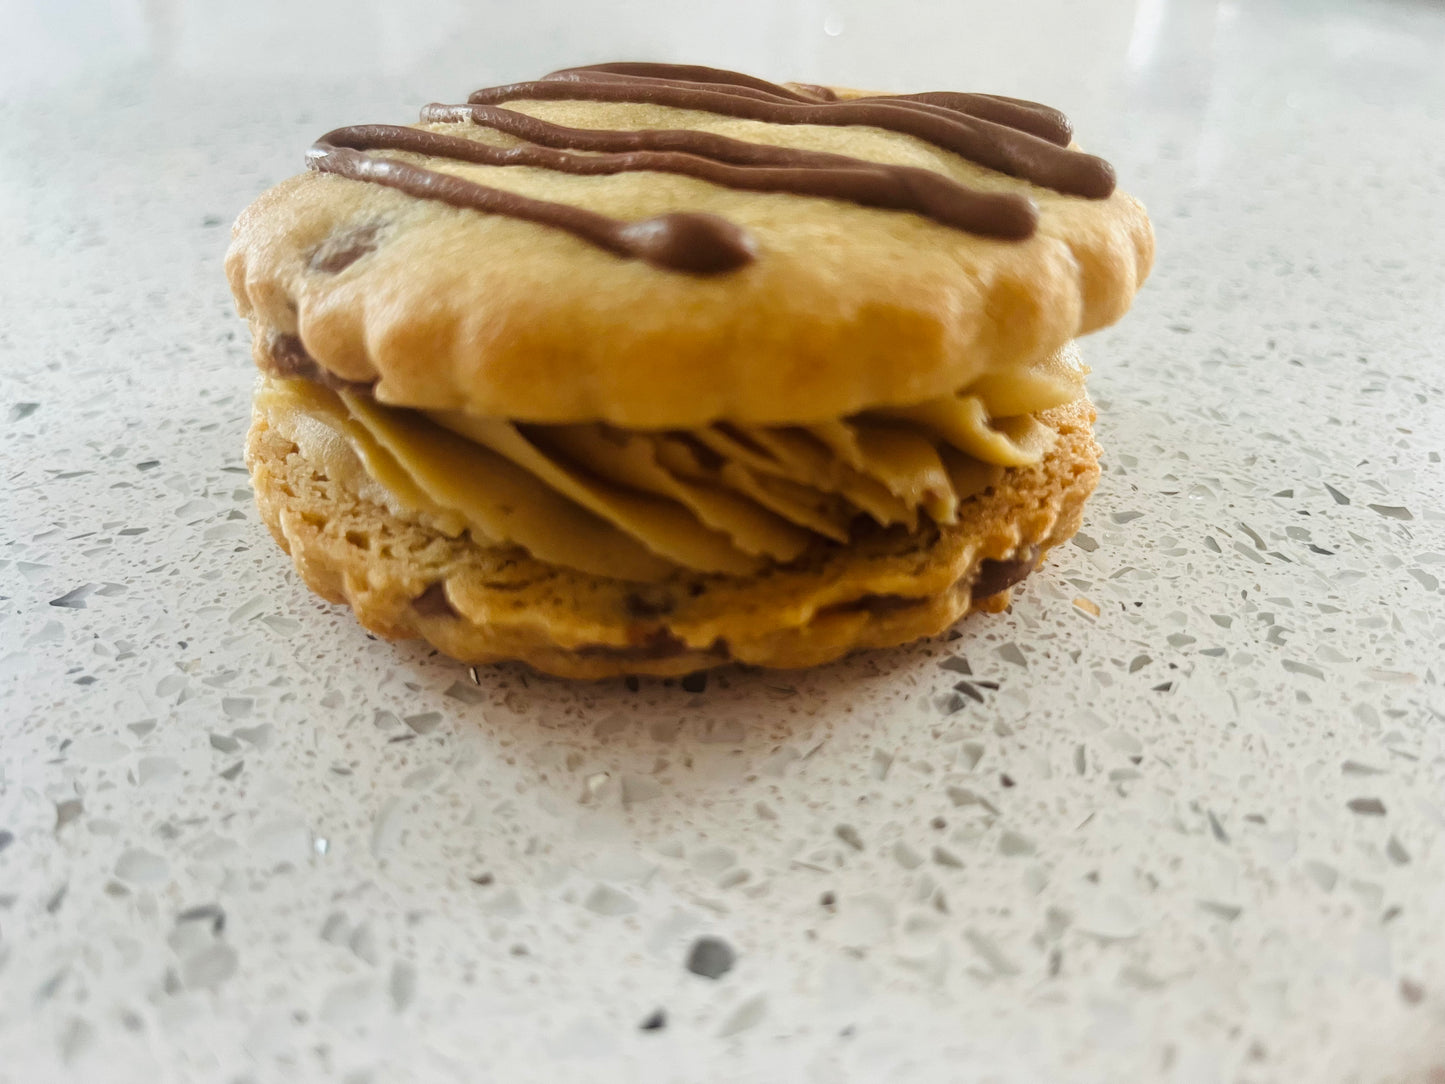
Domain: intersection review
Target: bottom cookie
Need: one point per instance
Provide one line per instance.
(483, 604)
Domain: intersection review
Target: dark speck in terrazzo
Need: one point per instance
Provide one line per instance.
(710, 957)
(224, 743)
(7, 837)
(1366, 807)
(1354, 767)
(1012, 653)
(1227, 911)
(75, 598)
(969, 691)
(1216, 829)
(1339, 497)
(952, 703)
(23, 410)
(655, 1022)
(206, 912)
(67, 811)
(465, 693)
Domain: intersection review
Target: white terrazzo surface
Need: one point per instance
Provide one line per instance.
(1177, 816)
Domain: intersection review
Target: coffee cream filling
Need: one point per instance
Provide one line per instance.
(642, 504)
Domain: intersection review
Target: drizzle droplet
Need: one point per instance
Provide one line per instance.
(687, 241)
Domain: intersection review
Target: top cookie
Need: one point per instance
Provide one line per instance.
(715, 283)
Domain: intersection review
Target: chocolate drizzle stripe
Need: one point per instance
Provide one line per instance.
(693, 73)
(1033, 117)
(1019, 138)
(714, 158)
(684, 241)
(989, 143)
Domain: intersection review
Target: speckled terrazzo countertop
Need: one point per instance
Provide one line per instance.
(1177, 816)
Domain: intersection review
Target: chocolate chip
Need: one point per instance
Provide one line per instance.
(873, 604)
(286, 357)
(648, 603)
(341, 250)
(433, 602)
(659, 644)
(995, 576)
(695, 683)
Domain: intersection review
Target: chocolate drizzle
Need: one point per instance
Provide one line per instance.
(683, 241)
(994, 132)
(1022, 139)
(730, 162)
(1026, 116)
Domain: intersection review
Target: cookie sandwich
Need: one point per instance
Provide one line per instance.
(644, 368)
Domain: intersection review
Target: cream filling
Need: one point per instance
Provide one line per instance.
(640, 505)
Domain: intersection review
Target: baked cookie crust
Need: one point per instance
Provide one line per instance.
(846, 307)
